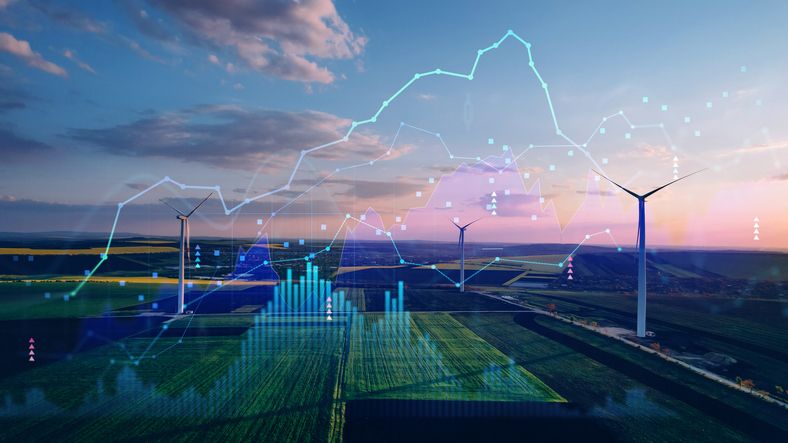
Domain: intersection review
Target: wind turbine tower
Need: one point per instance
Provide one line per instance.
(184, 249)
(641, 240)
(462, 251)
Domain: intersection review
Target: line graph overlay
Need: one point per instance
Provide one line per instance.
(356, 124)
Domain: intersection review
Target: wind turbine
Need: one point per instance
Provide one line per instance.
(641, 240)
(184, 250)
(462, 251)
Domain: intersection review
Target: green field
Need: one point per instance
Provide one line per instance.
(432, 357)
(751, 331)
(634, 411)
(275, 382)
(290, 378)
(279, 380)
(22, 301)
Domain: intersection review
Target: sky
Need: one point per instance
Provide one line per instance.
(100, 100)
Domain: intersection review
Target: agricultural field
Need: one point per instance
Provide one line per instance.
(36, 300)
(627, 398)
(749, 331)
(432, 357)
(108, 365)
(274, 381)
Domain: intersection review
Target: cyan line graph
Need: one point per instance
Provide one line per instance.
(356, 124)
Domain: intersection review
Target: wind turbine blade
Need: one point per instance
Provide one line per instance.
(455, 224)
(670, 183)
(170, 206)
(200, 204)
(623, 188)
(472, 222)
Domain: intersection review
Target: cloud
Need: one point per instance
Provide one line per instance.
(517, 205)
(606, 193)
(230, 136)
(754, 149)
(278, 38)
(4, 3)
(137, 186)
(22, 49)
(13, 98)
(371, 189)
(646, 150)
(70, 18)
(779, 177)
(139, 50)
(15, 147)
(425, 97)
(76, 20)
(149, 25)
(213, 59)
(71, 55)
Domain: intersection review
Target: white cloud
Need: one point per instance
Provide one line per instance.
(71, 55)
(281, 39)
(22, 49)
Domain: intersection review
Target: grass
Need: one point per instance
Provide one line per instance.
(23, 301)
(634, 411)
(739, 328)
(761, 322)
(432, 357)
(741, 401)
(89, 251)
(422, 299)
(274, 383)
